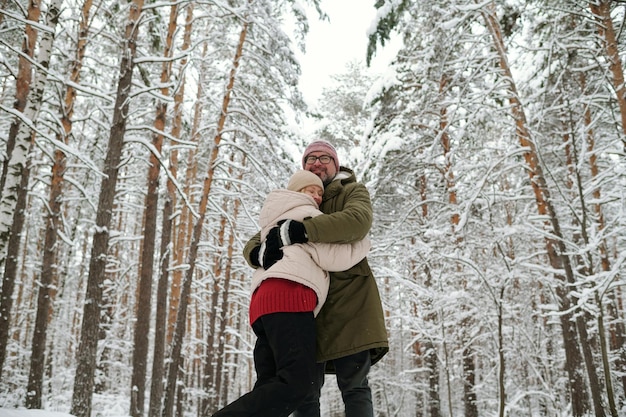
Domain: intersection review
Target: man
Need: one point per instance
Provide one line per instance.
(350, 327)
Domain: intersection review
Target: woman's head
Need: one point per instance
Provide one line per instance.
(307, 182)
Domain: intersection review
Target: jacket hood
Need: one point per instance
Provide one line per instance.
(278, 202)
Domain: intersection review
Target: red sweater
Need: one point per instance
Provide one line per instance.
(276, 295)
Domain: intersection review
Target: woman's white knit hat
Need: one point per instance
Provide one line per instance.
(303, 178)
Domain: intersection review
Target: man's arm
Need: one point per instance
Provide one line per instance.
(350, 224)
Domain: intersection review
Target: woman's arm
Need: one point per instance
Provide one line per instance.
(338, 256)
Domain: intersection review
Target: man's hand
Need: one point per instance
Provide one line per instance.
(290, 232)
(267, 254)
(286, 232)
(254, 257)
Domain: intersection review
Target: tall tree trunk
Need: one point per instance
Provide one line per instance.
(555, 246)
(14, 195)
(179, 333)
(210, 383)
(49, 267)
(156, 386)
(182, 231)
(22, 88)
(215, 357)
(87, 349)
(586, 268)
(617, 329)
(602, 11)
(428, 349)
(160, 334)
(181, 237)
(469, 367)
(146, 270)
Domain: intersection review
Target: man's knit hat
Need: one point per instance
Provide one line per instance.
(303, 178)
(321, 146)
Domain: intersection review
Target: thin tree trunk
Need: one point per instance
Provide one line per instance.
(604, 354)
(469, 367)
(501, 358)
(49, 268)
(158, 371)
(211, 374)
(87, 349)
(156, 387)
(586, 263)
(556, 250)
(224, 318)
(146, 270)
(617, 330)
(210, 383)
(215, 361)
(429, 350)
(179, 333)
(432, 365)
(182, 231)
(16, 186)
(602, 11)
(22, 88)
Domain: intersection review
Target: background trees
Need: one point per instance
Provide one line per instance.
(493, 149)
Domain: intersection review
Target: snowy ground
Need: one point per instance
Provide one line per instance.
(22, 412)
(8, 412)
(58, 406)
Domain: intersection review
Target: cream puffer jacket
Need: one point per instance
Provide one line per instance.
(305, 263)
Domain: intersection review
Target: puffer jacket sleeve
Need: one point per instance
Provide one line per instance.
(349, 222)
(338, 256)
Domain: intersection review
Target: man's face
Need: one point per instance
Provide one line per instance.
(326, 171)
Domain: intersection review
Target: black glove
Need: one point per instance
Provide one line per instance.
(254, 256)
(291, 231)
(268, 254)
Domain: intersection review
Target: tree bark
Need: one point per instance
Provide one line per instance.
(49, 268)
(22, 84)
(215, 357)
(182, 231)
(160, 334)
(557, 253)
(22, 88)
(179, 332)
(617, 330)
(210, 382)
(602, 11)
(87, 349)
(146, 270)
(428, 349)
(469, 367)
(585, 267)
(14, 195)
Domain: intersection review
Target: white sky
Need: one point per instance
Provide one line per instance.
(332, 44)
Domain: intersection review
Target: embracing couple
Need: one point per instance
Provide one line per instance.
(315, 306)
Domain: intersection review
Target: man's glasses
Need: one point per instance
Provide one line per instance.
(324, 159)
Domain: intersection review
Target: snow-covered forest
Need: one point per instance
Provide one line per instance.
(139, 139)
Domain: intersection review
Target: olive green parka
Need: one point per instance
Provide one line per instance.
(352, 319)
